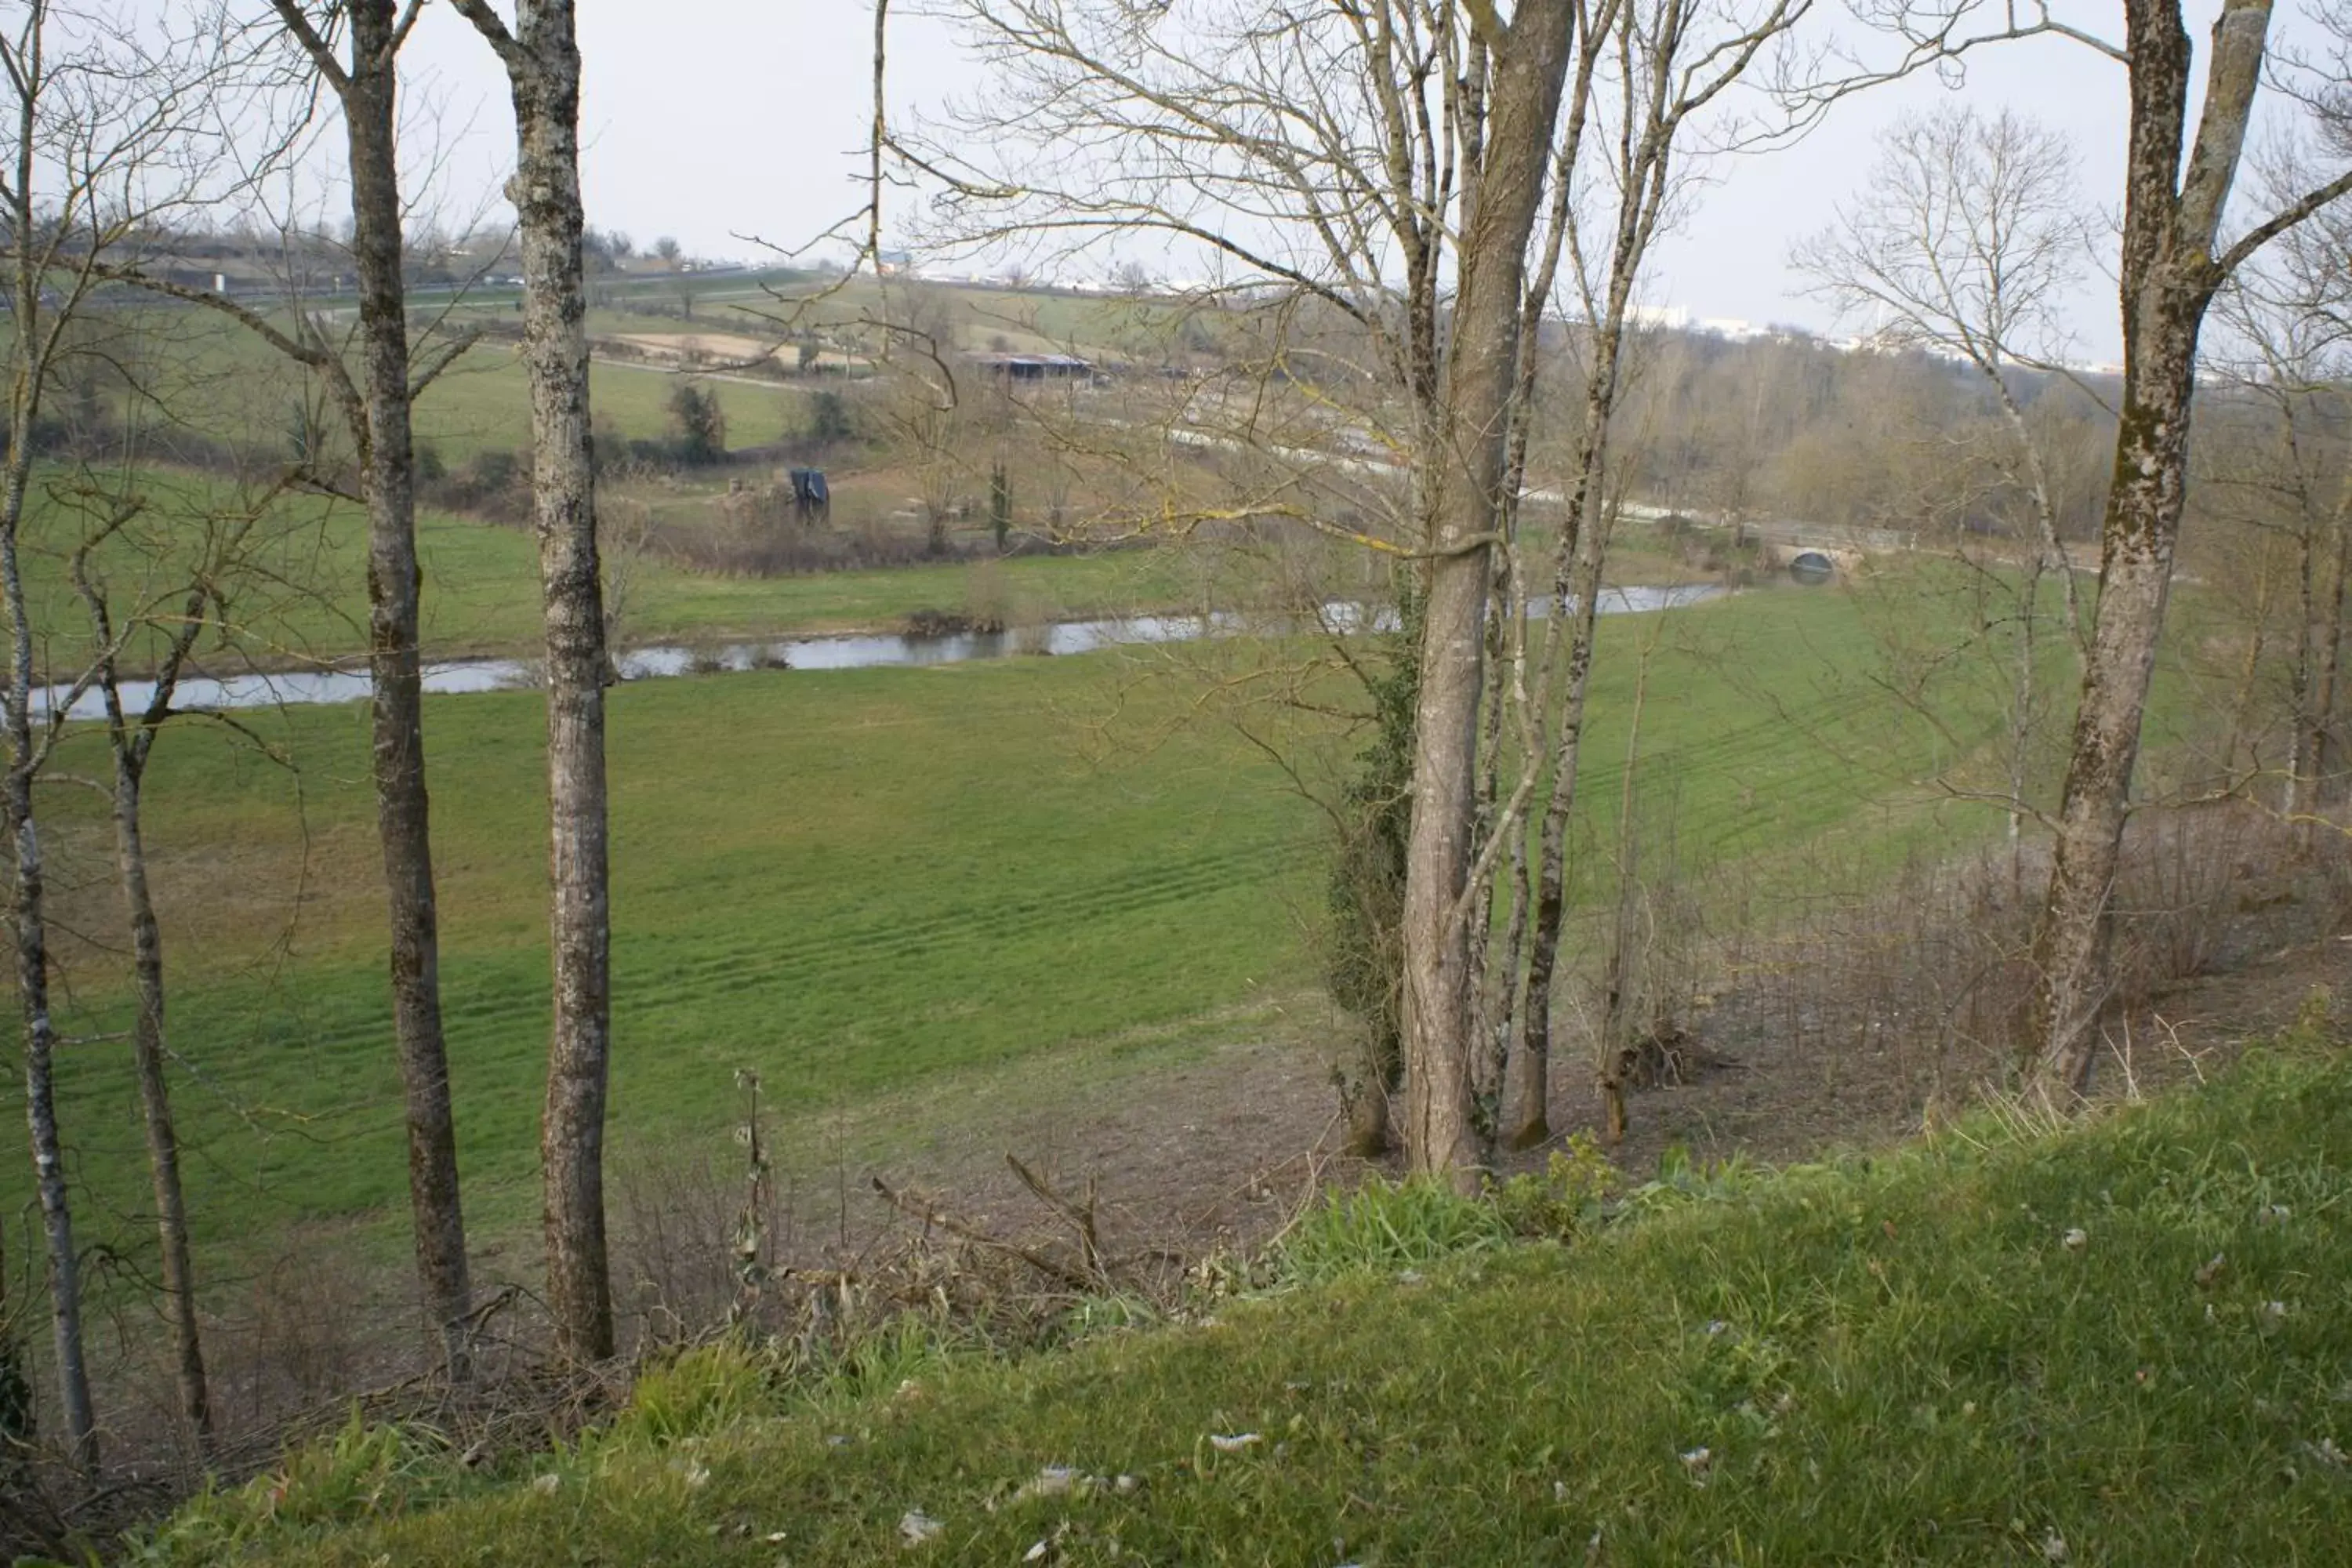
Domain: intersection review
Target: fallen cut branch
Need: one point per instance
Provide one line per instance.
(929, 1212)
(1080, 1219)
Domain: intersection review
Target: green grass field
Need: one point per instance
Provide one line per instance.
(483, 403)
(2123, 1344)
(853, 882)
(848, 881)
(301, 595)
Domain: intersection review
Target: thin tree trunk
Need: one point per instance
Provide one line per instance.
(2319, 652)
(542, 60)
(2240, 739)
(154, 1094)
(33, 343)
(28, 911)
(1442, 1131)
(131, 744)
(1609, 1071)
(1526, 1109)
(1487, 1058)
(2142, 523)
(2327, 662)
(1644, 163)
(2168, 274)
(2020, 720)
(404, 813)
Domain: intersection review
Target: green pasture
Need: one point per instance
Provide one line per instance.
(483, 403)
(851, 881)
(300, 595)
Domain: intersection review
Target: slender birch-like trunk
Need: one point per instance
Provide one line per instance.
(542, 59)
(395, 665)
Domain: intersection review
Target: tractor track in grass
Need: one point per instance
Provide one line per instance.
(977, 926)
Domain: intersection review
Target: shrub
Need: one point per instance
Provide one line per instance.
(1386, 1226)
(697, 425)
(1566, 1200)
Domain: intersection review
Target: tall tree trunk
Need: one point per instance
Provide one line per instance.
(131, 744)
(1486, 1059)
(397, 670)
(154, 1094)
(2169, 275)
(30, 915)
(1442, 1132)
(32, 343)
(542, 60)
(1526, 1094)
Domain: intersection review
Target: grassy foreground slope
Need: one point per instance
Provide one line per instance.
(2125, 1343)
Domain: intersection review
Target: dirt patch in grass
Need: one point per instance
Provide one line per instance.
(1216, 1146)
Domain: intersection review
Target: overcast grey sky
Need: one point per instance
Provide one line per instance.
(711, 119)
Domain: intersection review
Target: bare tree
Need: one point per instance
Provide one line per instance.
(2183, 152)
(1355, 165)
(2285, 320)
(1320, 155)
(542, 55)
(177, 616)
(1961, 241)
(923, 409)
(1667, 60)
(1531, 56)
(2173, 258)
(107, 115)
(378, 410)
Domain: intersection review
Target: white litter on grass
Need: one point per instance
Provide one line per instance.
(2053, 1547)
(2076, 1240)
(916, 1527)
(1235, 1443)
(546, 1486)
(1054, 1480)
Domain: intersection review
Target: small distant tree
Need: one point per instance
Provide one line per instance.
(999, 504)
(697, 425)
(830, 419)
(923, 412)
(668, 249)
(1961, 242)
